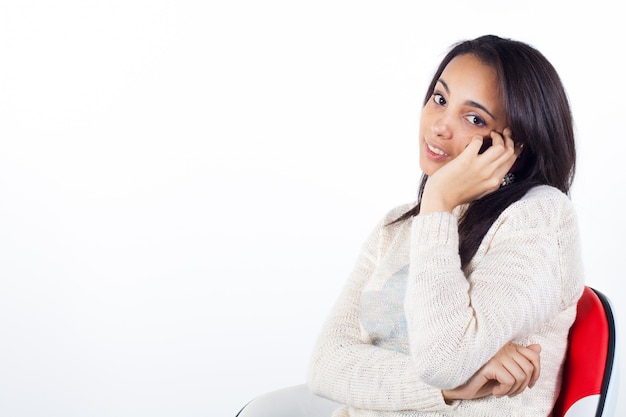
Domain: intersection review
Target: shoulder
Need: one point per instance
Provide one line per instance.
(546, 193)
(547, 198)
(397, 212)
(541, 207)
(387, 229)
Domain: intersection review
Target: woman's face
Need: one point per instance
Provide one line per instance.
(466, 102)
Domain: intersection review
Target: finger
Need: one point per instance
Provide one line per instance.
(518, 367)
(505, 139)
(507, 134)
(498, 371)
(474, 145)
(532, 353)
(508, 142)
(526, 360)
(535, 347)
(527, 369)
(521, 370)
(496, 145)
(497, 137)
(505, 383)
(502, 151)
(518, 147)
(505, 160)
(475, 388)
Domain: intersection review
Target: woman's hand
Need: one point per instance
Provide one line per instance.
(470, 175)
(509, 372)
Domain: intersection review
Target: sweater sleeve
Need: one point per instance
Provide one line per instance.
(351, 371)
(514, 288)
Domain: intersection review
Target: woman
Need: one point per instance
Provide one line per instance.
(453, 298)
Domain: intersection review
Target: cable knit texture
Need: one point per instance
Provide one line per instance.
(410, 322)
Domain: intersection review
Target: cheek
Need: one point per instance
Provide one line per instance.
(461, 144)
(424, 123)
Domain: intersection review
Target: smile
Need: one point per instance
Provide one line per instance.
(436, 151)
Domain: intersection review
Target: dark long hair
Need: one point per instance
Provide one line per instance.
(539, 116)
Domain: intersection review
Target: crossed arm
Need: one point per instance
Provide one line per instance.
(352, 371)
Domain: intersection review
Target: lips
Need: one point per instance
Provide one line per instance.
(434, 152)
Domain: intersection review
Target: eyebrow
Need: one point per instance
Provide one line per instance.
(469, 102)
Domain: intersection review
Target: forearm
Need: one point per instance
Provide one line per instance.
(367, 377)
(455, 327)
(347, 368)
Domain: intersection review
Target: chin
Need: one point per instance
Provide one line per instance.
(427, 168)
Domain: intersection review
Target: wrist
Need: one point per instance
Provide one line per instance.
(432, 202)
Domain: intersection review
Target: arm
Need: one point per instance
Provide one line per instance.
(513, 286)
(351, 371)
(513, 289)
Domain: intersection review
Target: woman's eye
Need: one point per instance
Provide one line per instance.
(438, 99)
(475, 120)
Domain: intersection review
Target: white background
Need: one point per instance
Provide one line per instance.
(185, 185)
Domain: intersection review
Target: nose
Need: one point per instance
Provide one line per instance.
(441, 127)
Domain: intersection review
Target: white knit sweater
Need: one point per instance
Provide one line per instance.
(411, 322)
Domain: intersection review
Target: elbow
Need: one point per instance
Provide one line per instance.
(446, 355)
(314, 375)
(439, 377)
(312, 385)
(321, 370)
(442, 368)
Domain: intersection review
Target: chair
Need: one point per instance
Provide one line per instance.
(590, 372)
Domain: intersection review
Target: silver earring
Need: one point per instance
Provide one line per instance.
(508, 179)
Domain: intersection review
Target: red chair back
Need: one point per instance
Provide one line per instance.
(589, 359)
